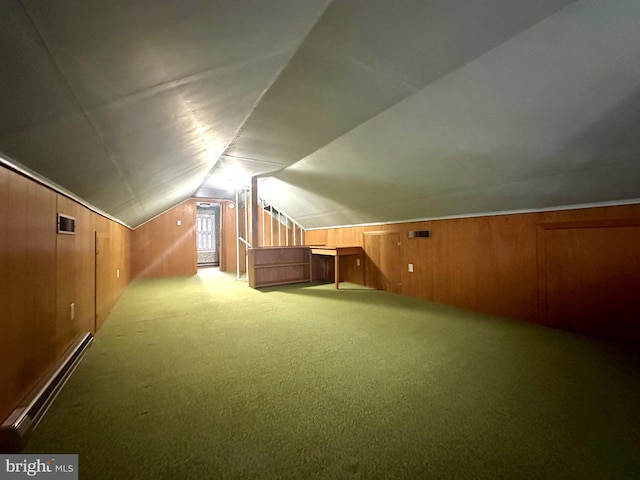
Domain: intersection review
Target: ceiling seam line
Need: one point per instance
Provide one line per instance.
(420, 88)
(84, 111)
(250, 159)
(178, 82)
(261, 96)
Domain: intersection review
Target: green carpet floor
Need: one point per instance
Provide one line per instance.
(205, 378)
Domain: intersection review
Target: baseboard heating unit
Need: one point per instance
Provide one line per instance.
(16, 429)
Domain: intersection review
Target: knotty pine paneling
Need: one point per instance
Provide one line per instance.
(162, 248)
(491, 264)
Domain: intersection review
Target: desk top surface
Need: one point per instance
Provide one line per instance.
(333, 251)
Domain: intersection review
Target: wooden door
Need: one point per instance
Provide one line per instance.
(382, 265)
(102, 300)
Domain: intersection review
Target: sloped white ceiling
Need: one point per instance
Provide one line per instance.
(548, 118)
(360, 111)
(129, 105)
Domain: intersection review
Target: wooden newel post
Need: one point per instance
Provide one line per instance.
(254, 212)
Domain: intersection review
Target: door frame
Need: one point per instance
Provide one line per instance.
(396, 272)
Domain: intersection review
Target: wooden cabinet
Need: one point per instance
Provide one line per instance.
(279, 266)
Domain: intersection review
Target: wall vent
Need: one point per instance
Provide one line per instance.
(66, 224)
(419, 233)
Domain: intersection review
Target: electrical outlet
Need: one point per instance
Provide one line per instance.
(117, 273)
(179, 222)
(72, 311)
(357, 262)
(411, 268)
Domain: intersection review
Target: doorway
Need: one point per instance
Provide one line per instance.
(208, 234)
(382, 266)
(102, 278)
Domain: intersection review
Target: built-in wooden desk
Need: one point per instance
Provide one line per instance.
(337, 252)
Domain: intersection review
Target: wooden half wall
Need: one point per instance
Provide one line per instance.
(42, 273)
(270, 232)
(572, 269)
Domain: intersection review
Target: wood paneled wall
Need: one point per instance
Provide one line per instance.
(162, 248)
(41, 274)
(27, 286)
(496, 265)
(382, 264)
(275, 232)
(267, 224)
(590, 276)
(228, 238)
